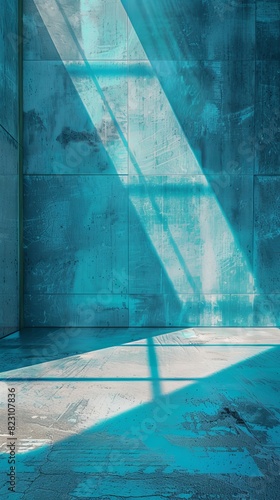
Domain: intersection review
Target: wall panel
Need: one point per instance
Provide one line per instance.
(151, 165)
(9, 169)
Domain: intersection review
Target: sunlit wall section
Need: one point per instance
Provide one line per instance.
(76, 206)
(142, 207)
(9, 289)
(218, 64)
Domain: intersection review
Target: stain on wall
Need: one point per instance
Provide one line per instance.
(151, 163)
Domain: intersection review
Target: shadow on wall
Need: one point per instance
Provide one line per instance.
(204, 59)
(203, 54)
(172, 263)
(76, 228)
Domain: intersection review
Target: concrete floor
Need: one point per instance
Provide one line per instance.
(143, 413)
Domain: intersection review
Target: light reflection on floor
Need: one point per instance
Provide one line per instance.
(171, 411)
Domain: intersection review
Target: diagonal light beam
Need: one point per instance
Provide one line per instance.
(187, 270)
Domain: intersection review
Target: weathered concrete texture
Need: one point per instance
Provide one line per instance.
(150, 310)
(267, 29)
(9, 67)
(164, 103)
(99, 26)
(267, 309)
(76, 234)
(76, 248)
(9, 168)
(193, 247)
(144, 413)
(77, 310)
(9, 234)
(267, 233)
(66, 128)
(214, 103)
(197, 30)
(267, 127)
(8, 154)
(197, 309)
(80, 221)
(157, 143)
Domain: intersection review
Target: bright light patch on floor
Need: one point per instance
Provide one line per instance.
(113, 381)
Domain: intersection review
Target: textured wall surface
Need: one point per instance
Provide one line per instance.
(151, 162)
(9, 289)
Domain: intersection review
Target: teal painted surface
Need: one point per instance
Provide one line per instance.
(9, 182)
(147, 129)
(60, 137)
(267, 233)
(199, 30)
(145, 413)
(267, 117)
(267, 29)
(9, 67)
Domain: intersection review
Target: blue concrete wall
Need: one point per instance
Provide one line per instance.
(151, 162)
(9, 289)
